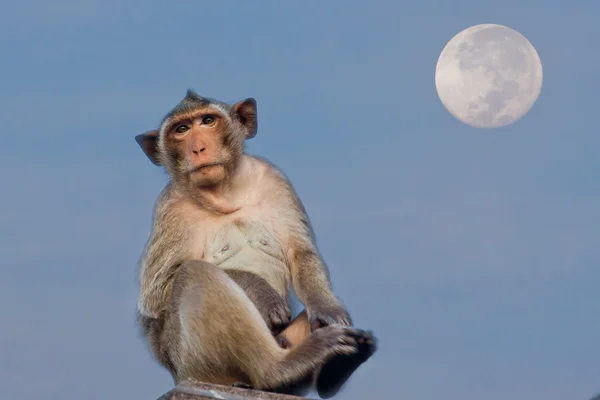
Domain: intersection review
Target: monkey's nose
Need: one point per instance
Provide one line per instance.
(200, 150)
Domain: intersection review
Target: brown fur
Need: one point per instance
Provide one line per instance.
(271, 305)
(227, 242)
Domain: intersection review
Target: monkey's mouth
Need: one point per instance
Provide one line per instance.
(199, 168)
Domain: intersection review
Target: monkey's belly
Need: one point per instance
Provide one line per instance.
(256, 251)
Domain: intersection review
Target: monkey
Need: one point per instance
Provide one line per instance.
(229, 237)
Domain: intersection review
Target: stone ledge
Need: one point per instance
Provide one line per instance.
(197, 391)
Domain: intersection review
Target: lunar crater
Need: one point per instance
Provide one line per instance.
(488, 76)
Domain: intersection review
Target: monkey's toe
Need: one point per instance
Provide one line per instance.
(320, 318)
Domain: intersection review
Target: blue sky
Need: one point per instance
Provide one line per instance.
(472, 254)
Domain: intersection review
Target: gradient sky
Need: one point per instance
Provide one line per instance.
(472, 254)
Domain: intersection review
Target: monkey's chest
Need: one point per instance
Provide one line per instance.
(249, 247)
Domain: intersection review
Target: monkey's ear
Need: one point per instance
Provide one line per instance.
(245, 112)
(148, 141)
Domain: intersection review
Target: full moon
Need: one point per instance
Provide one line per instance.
(488, 76)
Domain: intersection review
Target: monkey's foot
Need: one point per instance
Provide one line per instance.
(337, 370)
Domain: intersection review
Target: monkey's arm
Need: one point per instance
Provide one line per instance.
(310, 278)
(310, 275)
(162, 256)
(271, 305)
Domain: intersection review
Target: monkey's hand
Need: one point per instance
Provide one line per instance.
(272, 306)
(276, 312)
(323, 314)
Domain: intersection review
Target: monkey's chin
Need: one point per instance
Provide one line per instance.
(210, 175)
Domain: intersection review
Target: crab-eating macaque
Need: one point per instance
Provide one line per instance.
(229, 237)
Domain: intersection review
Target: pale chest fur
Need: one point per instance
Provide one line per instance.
(246, 244)
(253, 239)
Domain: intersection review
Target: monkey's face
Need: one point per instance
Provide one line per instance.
(201, 140)
(202, 146)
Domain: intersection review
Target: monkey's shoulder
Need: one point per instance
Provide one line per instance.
(170, 199)
(271, 184)
(266, 169)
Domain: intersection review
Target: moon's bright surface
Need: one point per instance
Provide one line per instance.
(488, 76)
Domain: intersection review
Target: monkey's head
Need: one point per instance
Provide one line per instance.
(200, 140)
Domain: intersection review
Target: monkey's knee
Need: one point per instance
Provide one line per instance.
(202, 277)
(204, 290)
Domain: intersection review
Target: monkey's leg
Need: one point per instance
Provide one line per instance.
(335, 372)
(219, 336)
(295, 333)
(271, 305)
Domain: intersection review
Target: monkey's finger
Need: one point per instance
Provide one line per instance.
(276, 329)
(355, 332)
(316, 323)
(344, 318)
(344, 349)
(279, 317)
(320, 320)
(348, 340)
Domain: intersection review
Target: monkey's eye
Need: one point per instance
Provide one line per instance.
(208, 119)
(182, 128)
